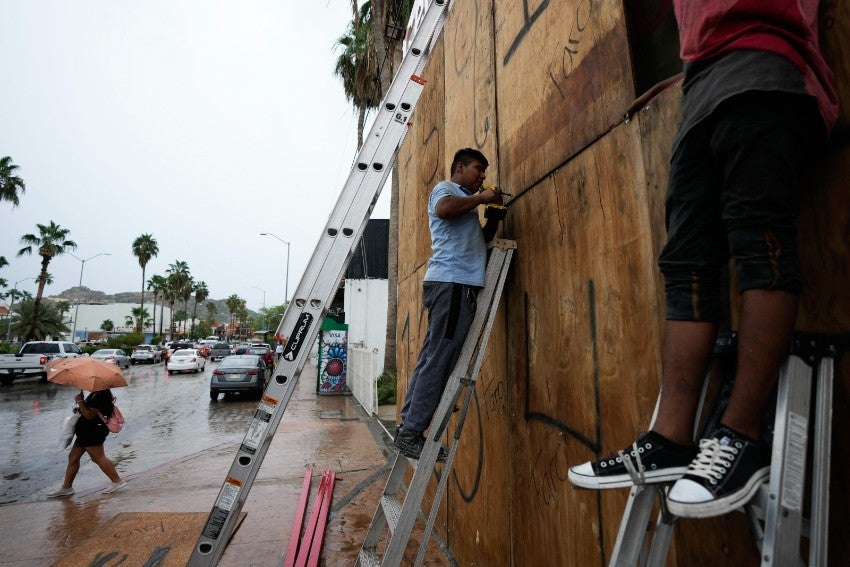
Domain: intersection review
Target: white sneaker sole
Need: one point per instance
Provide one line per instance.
(625, 480)
(719, 506)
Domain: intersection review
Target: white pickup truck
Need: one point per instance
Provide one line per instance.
(33, 356)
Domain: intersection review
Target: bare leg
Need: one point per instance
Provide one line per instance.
(105, 463)
(688, 346)
(73, 467)
(764, 335)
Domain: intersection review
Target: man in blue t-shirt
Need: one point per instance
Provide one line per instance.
(454, 277)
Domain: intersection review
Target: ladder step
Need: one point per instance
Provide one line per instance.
(368, 558)
(392, 510)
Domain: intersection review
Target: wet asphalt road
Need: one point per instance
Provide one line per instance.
(168, 417)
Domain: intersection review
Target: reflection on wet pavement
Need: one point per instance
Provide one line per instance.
(168, 417)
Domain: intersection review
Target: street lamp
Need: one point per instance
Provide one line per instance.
(77, 308)
(14, 292)
(265, 324)
(286, 289)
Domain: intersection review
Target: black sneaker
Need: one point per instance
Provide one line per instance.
(724, 476)
(650, 459)
(410, 444)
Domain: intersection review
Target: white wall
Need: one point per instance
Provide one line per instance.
(366, 315)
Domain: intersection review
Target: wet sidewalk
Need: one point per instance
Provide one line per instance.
(322, 432)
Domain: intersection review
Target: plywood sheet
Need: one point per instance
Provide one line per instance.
(582, 350)
(471, 83)
(424, 169)
(563, 78)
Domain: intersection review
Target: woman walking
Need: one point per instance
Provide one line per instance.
(91, 432)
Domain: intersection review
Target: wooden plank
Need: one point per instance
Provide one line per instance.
(478, 529)
(581, 320)
(470, 83)
(421, 173)
(563, 78)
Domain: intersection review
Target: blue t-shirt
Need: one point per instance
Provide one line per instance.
(459, 253)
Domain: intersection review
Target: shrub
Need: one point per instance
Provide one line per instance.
(386, 388)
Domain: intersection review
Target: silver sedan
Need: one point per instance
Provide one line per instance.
(113, 355)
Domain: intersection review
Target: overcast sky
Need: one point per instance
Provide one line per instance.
(201, 122)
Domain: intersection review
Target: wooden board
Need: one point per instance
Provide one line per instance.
(584, 304)
(140, 538)
(581, 354)
(423, 167)
(563, 78)
(471, 83)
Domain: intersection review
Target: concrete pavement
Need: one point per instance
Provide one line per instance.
(322, 432)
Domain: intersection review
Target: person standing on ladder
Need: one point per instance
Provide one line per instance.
(757, 101)
(454, 277)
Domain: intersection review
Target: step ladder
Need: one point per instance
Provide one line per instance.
(776, 511)
(300, 324)
(399, 514)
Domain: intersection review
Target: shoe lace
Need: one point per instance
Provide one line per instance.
(636, 468)
(713, 460)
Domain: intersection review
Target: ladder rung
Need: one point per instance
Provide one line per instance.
(368, 558)
(392, 510)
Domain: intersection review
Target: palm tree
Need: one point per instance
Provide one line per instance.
(107, 326)
(201, 295)
(50, 242)
(157, 285)
(357, 65)
(145, 247)
(138, 319)
(9, 182)
(38, 325)
(3, 283)
(233, 302)
(178, 279)
(211, 311)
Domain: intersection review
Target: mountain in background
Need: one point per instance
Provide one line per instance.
(84, 295)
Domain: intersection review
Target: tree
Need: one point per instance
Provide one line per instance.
(9, 182)
(3, 283)
(211, 311)
(357, 65)
(178, 279)
(145, 247)
(157, 285)
(390, 15)
(107, 326)
(138, 319)
(233, 303)
(38, 324)
(201, 295)
(50, 242)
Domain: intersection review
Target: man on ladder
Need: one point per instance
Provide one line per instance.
(758, 99)
(454, 277)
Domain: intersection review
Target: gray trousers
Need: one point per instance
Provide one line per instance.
(451, 309)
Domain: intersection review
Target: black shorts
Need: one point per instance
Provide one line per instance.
(734, 191)
(89, 433)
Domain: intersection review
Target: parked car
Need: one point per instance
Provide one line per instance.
(146, 353)
(186, 360)
(202, 348)
(32, 357)
(113, 355)
(265, 352)
(219, 351)
(239, 373)
(175, 346)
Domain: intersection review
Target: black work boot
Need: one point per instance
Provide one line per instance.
(409, 442)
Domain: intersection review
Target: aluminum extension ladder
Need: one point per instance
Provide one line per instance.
(776, 511)
(302, 319)
(400, 514)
